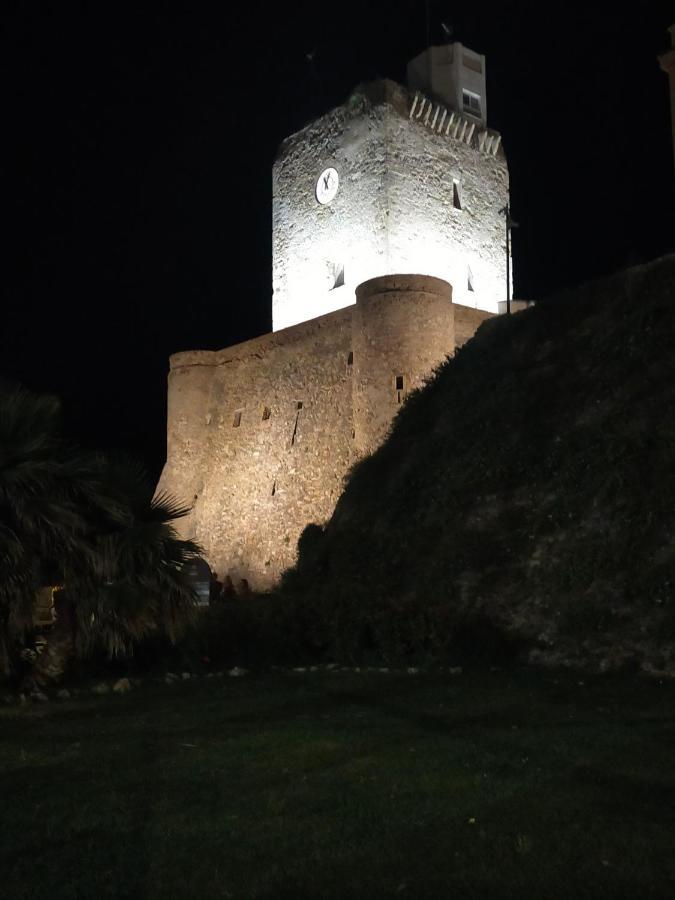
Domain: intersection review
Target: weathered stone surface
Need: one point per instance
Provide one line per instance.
(467, 321)
(410, 199)
(262, 434)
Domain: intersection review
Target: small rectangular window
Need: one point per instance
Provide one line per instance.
(336, 274)
(236, 422)
(298, 405)
(471, 103)
(399, 382)
(350, 358)
(456, 194)
(266, 413)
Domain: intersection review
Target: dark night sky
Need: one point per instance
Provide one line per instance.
(137, 169)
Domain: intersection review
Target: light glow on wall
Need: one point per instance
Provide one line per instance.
(414, 249)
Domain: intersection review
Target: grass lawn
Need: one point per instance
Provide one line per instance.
(506, 784)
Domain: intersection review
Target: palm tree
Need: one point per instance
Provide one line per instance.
(134, 581)
(139, 578)
(90, 524)
(45, 488)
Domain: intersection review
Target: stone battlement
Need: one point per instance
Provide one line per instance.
(440, 119)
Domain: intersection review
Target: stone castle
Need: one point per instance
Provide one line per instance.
(388, 253)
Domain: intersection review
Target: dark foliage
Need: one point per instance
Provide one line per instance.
(90, 525)
(525, 498)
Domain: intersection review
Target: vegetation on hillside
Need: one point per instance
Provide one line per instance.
(525, 500)
(90, 526)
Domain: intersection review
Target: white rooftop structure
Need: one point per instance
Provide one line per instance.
(454, 75)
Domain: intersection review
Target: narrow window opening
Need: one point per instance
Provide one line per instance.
(350, 358)
(266, 413)
(338, 275)
(274, 487)
(236, 422)
(471, 103)
(456, 194)
(399, 382)
(295, 426)
(469, 279)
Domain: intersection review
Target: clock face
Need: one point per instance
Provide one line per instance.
(327, 186)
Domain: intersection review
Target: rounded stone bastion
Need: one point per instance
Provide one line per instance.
(403, 328)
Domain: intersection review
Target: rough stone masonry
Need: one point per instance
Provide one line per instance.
(262, 434)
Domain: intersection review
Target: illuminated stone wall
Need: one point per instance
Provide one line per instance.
(420, 191)
(403, 327)
(256, 465)
(261, 435)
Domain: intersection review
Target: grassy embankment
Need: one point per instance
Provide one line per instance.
(492, 784)
(529, 486)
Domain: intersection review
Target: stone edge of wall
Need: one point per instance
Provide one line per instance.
(265, 342)
(467, 321)
(386, 284)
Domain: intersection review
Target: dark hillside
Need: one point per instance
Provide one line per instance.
(525, 498)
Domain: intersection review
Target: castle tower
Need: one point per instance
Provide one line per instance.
(388, 255)
(396, 180)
